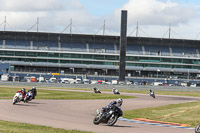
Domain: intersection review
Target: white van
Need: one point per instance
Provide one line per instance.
(114, 82)
(4, 77)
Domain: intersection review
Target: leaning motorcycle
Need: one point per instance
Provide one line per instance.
(17, 98)
(97, 91)
(116, 92)
(28, 97)
(197, 129)
(109, 115)
(152, 94)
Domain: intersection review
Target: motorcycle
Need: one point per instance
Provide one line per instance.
(28, 97)
(17, 98)
(116, 92)
(152, 94)
(197, 129)
(96, 90)
(109, 116)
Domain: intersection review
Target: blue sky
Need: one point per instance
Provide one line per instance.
(153, 16)
(102, 7)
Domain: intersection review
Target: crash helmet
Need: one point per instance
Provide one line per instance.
(23, 90)
(119, 101)
(33, 88)
(150, 90)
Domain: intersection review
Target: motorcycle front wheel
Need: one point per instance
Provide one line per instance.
(112, 120)
(197, 129)
(14, 101)
(97, 119)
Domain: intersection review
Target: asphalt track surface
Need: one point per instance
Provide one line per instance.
(79, 114)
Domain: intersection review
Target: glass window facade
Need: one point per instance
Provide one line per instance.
(101, 59)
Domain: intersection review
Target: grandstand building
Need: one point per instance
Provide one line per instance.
(98, 54)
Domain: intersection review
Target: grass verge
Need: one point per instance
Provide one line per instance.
(175, 93)
(8, 93)
(184, 113)
(13, 127)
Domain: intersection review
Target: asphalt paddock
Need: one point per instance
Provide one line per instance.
(79, 114)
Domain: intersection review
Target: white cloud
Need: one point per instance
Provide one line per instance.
(22, 14)
(30, 5)
(153, 12)
(153, 16)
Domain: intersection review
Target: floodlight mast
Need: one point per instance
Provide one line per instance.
(169, 31)
(5, 24)
(104, 27)
(137, 30)
(36, 24)
(71, 26)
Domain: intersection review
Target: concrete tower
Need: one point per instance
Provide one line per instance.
(123, 43)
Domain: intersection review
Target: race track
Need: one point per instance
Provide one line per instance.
(79, 114)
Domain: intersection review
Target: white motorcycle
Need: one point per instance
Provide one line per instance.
(17, 98)
(116, 92)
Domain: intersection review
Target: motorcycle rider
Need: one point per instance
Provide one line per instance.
(114, 105)
(34, 91)
(96, 90)
(23, 92)
(115, 91)
(151, 93)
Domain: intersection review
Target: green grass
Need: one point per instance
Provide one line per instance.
(13, 127)
(8, 93)
(175, 93)
(52, 94)
(184, 113)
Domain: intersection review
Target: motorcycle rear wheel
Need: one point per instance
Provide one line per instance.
(112, 120)
(197, 129)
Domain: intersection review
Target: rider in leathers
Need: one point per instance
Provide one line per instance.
(114, 105)
(23, 92)
(34, 91)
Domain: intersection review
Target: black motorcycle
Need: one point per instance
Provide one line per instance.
(108, 115)
(96, 90)
(152, 94)
(197, 129)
